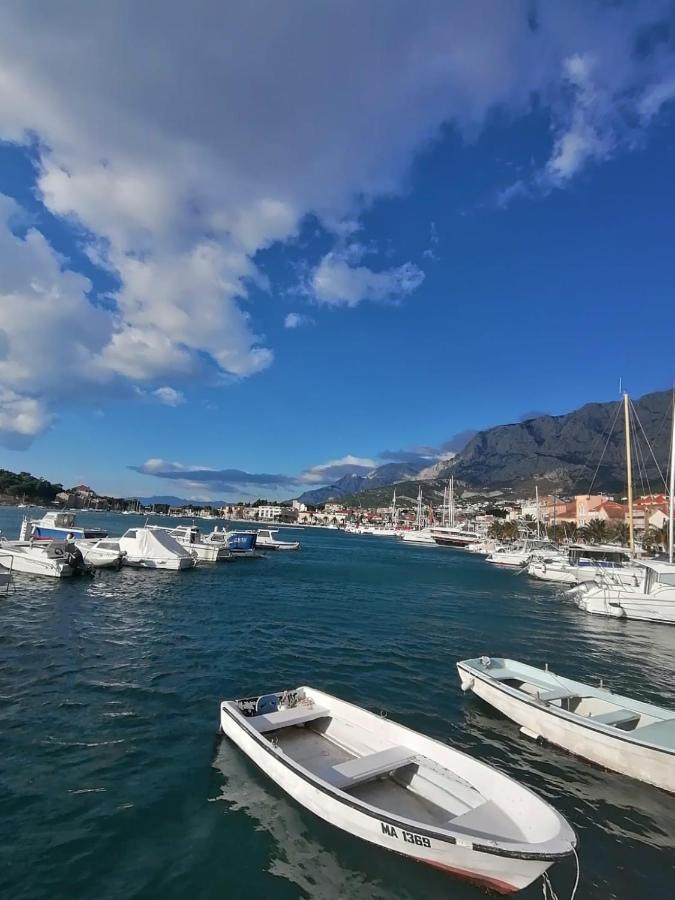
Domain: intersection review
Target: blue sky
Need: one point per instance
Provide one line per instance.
(273, 278)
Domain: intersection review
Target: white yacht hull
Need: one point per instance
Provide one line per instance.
(418, 537)
(621, 604)
(537, 720)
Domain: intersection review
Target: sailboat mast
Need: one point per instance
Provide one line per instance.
(671, 513)
(629, 471)
(451, 503)
(393, 508)
(536, 493)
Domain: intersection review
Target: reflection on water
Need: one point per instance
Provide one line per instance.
(109, 692)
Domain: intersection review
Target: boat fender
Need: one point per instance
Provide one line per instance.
(468, 685)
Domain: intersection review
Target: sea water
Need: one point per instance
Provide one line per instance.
(115, 784)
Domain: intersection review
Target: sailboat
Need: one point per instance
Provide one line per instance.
(421, 534)
(450, 534)
(651, 598)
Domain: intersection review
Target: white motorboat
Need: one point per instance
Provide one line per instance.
(627, 736)
(650, 597)
(584, 563)
(267, 540)
(51, 558)
(398, 789)
(453, 536)
(189, 536)
(153, 548)
(58, 526)
(519, 556)
(239, 543)
(103, 554)
(419, 536)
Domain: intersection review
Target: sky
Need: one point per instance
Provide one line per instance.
(248, 248)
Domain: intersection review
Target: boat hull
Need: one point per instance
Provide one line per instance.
(652, 766)
(502, 873)
(28, 565)
(628, 605)
(168, 565)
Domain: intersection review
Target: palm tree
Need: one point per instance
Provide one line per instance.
(597, 531)
(620, 533)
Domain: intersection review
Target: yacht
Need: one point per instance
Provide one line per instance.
(649, 597)
(448, 533)
(58, 526)
(419, 536)
(584, 563)
(153, 548)
(520, 555)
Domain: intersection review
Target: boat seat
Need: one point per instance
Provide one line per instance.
(616, 718)
(367, 768)
(284, 718)
(559, 694)
(662, 733)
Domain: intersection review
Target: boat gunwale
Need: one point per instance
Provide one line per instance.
(573, 718)
(459, 838)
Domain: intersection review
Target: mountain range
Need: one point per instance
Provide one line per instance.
(571, 453)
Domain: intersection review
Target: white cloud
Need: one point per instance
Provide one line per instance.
(179, 157)
(168, 396)
(328, 472)
(337, 283)
(297, 320)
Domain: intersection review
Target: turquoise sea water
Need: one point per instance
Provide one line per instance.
(114, 783)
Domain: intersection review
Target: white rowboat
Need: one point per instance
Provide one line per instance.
(398, 789)
(636, 739)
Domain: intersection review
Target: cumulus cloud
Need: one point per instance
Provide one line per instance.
(297, 320)
(168, 396)
(177, 158)
(336, 282)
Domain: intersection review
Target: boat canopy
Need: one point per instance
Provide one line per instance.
(152, 543)
(599, 552)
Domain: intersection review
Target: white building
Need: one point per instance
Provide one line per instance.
(269, 513)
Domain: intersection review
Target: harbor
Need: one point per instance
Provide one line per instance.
(109, 687)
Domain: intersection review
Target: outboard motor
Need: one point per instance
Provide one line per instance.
(74, 558)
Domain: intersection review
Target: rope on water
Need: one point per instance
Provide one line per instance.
(547, 887)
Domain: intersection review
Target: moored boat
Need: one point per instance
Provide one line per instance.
(633, 738)
(54, 559)
(398, 789)
(102, 554)
(152, 548)
(267, 540)
(190, 537)
(58, 526)
(239, 543)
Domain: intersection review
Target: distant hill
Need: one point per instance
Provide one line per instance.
(390, 473)
(22, 486)
(558, 453)
(563, 452)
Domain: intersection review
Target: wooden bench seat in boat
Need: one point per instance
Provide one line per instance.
(560, 693)
(661, 733)
(368, 767)
(617, 717)
(284, 718)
